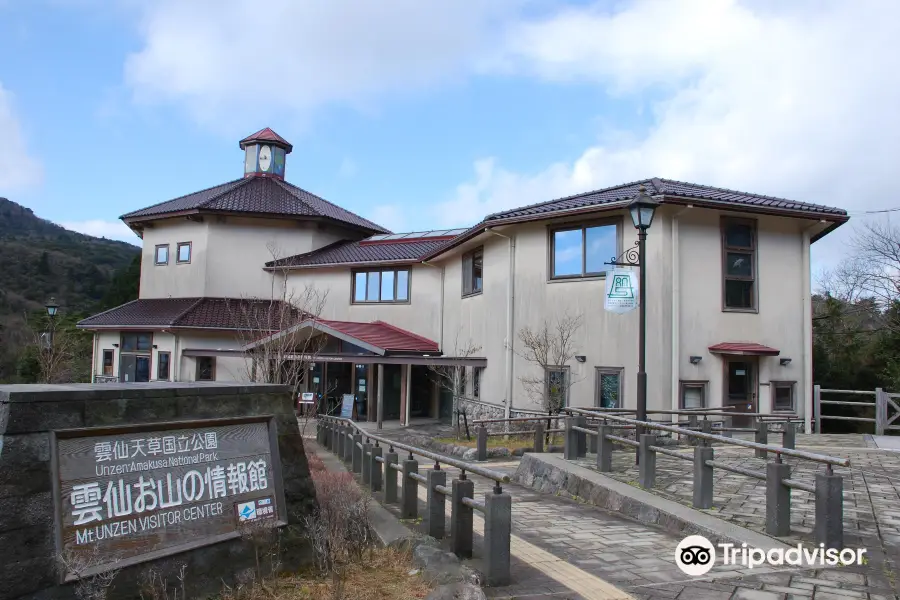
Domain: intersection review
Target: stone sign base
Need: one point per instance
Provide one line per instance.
(31, 417)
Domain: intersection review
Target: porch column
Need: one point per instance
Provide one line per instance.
(408, 395)
(380, 395)
(370, 393)
(404, 401)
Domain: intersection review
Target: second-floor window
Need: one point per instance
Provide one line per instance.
(184, 252)
(583, 250)
(137, 342)
(162, 254)
(381, 285)
(473, 272)
(739, 264)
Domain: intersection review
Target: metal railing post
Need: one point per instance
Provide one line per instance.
(705, 425)
(390, 477)
(461, 517)
(357, 453)
(436, 502)
(604, 448)
(367, 462)
(375, 468)
(339, 446)
(830, 509)
(647, 460)
(789, 436)
(762, 437)
(703, 477)
(727, 423)
(482, 439)
(778, 497)
(349, 445)
(693, 424)
(497, 534)
(539, 438)
(581, 421)
(320, 429)
(409, 507)
(328, 427)
(570, 449)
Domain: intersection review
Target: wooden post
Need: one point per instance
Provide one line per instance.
(880, 411)
(817, 407)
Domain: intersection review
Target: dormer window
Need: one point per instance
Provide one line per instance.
(162, 254)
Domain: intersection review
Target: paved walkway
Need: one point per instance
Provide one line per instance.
(565, 549)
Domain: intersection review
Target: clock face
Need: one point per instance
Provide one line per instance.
(265, 158)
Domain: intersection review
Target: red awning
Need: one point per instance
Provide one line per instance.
(744, 348)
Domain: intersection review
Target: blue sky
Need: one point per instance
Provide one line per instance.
(432, 114)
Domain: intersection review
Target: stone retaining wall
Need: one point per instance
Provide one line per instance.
(29, 564)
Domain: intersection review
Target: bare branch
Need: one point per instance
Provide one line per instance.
(550, 347)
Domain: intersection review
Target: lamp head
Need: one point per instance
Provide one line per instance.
(642, 209)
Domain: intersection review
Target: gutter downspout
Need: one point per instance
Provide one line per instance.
(510, 318)
(807, 328)
(676, 317)
(443, 270)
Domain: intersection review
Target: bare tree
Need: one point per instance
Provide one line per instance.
(278, 346)
(56, 354)
(90, 585)
(455, 380)
(550, 347)
(872, 273)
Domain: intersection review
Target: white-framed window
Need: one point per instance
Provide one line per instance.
(389, 286)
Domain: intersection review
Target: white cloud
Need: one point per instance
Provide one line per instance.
(114, 230)
(799, 102)
(18, 168)
(390, 216)
(237, 59)
(348, 168)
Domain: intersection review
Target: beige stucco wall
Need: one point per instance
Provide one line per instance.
(228, 368)
(421, 315)
(174, 280)
(239, 248)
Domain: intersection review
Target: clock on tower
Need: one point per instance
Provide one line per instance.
(264, 154)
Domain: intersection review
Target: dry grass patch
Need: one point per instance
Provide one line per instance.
(383, 575)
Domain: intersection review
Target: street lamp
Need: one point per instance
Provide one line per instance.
(52, 308)
(642, 209)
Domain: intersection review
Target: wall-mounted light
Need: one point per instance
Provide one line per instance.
(115, 345)
(155, 346)
(581, 358)
(784, 362)
(696, 359)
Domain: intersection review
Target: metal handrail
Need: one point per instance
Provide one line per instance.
(517, 419)
(459, 464)
(716, 412)
(820, 458)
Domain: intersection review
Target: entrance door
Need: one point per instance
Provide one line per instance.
(740, 389)
(134, 368)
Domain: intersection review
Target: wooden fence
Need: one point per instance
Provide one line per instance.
(883, 405)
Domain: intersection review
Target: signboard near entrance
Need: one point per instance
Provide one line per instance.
(347, 406)
(621, 291)
(125, 497)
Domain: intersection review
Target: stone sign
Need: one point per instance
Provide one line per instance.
(138, 493)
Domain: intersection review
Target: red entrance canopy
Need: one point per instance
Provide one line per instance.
(744, 348)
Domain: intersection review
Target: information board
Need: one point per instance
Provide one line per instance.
(148, 493)
(347, 406)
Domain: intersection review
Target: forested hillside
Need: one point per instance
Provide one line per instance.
(39, 259)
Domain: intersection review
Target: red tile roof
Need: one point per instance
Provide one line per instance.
(354, 253)
(747, 348)
(266, 135)
(383, 335)
(196, 313)
(259, 196)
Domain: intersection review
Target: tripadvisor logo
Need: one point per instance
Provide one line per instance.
(695, 556)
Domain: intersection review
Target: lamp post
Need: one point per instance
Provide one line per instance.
(642, 209)
(52, 308)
